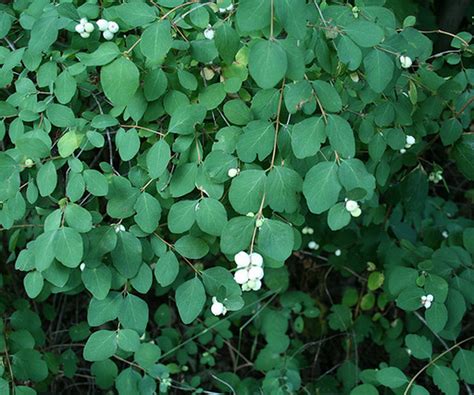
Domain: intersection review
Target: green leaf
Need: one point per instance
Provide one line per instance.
(128, 340)
(328, 96)
(338, 217)
(184, 119)
(190, 299)
(391, 377)
(125, 71)
(349, 53)
(100, 346)
(96, 183)
(364, 389)
(103, 55)
(283, 187)
(128, 143)
(227, 42)
(463, 154)
(253, 15)
(127, 255)
(157, 158)
(133, 313)
(257, 139)
(44, 33)
(78, 218)
(307, 137)
(136, 14)
(68, 143)
(436, 317)
(275, 240)
(379, 69)
(419, 346)
(102, 311)
(246, 191)
(211, 216)
(68, 247)
(47, 179)
(97, 280)
(446, 380)
(237, 234)
(462, 363)
(167, 269)
(181, 216)
(183, 180)
(364, 33)
(65, 87)
(191, 247)
(451, 130)
(267, 63)
(10, 177)
(410, 298)
(321, 187)
(341, 136)
(354, 175)
(60, 116)
(33, 283)
(148, 212)
(156, 41)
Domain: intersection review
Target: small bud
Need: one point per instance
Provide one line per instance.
(259, 222)
(245, 287)
(102, 24)
(354, 77)
(233, 172)
(82, 266)
(113, 27)
(217, 307)
(445, 234)
(230, 8)
(29, 163)
(405, 61)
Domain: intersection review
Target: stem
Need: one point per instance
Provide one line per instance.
(277, 126)
(271, 20)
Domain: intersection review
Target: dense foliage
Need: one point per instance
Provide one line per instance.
(267, 196)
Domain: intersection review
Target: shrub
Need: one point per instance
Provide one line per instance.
(262, 197)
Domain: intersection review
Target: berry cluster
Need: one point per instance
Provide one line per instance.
(217, 308)
(209, 32)
(426, 301)
(108, 28)
(353, 207)
(84, 28)
(405, 61)
(249, 270)
(410, 140)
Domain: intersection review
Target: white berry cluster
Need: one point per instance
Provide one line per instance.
(217, 308)
(445, 234)
(353, 207)
(209, 32)
(405, 61)
(312, 245)
(108, 28)
(426, 301)
(307, 230)
(119, 228)
(435, 176)
(84, 28)
(409, 141)
(249, 272)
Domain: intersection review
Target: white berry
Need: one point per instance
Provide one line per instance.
(338, 252)
(405, 61)
(242, 259)
(241, 276)
(356, 213)
(410, 140)
(403, 150)
(89, 27)
(445, 234)
(108, 35)
(256, 259)
(259, 222)
(85, 35)
(102, 24)
(209, 33)
(113, 27)
(254, 285)
(245, 287)
(79, 28)
(83, 21)
(217, 307)
(119, 228)
(232, 172)
(29, 162)
(82, 266)
(255, 273)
